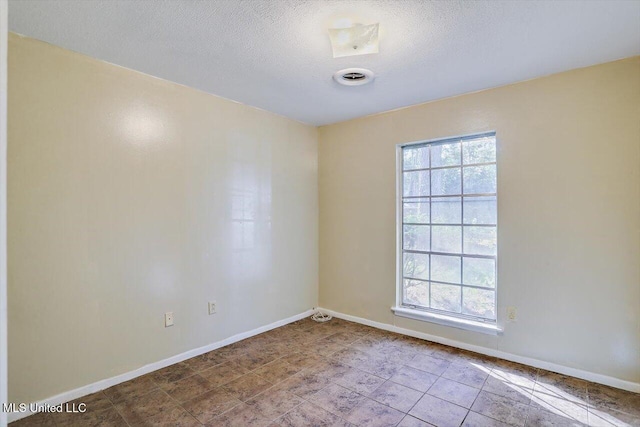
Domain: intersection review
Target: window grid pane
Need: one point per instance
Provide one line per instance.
(471, 237)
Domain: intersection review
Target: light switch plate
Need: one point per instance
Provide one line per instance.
(212, 307)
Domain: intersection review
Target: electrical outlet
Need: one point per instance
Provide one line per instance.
(168, 319)
(512, 314)
(212, 307)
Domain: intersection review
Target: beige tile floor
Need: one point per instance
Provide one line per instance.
(345, 374)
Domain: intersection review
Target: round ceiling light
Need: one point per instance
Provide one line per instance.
(354, 76)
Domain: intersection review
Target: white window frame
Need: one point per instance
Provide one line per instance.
(431, 315)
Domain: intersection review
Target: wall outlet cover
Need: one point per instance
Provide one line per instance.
(168, 319)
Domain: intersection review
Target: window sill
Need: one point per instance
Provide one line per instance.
(469, 325)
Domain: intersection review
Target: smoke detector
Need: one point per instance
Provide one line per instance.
(354, 76)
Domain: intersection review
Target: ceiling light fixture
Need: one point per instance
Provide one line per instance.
(356, 40)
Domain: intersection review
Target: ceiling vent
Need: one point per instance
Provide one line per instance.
(354, 76)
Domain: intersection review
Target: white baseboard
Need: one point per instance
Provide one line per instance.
(109, 382)
(565, 370)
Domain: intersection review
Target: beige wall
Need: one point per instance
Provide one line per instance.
(569, 214)
(131, 196)
(4, 12)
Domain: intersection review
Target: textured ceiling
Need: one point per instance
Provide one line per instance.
(276, 54)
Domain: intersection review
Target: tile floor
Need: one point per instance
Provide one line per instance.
(345, 374)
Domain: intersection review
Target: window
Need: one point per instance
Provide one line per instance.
(447, 229)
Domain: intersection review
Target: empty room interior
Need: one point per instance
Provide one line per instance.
(320, 213)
